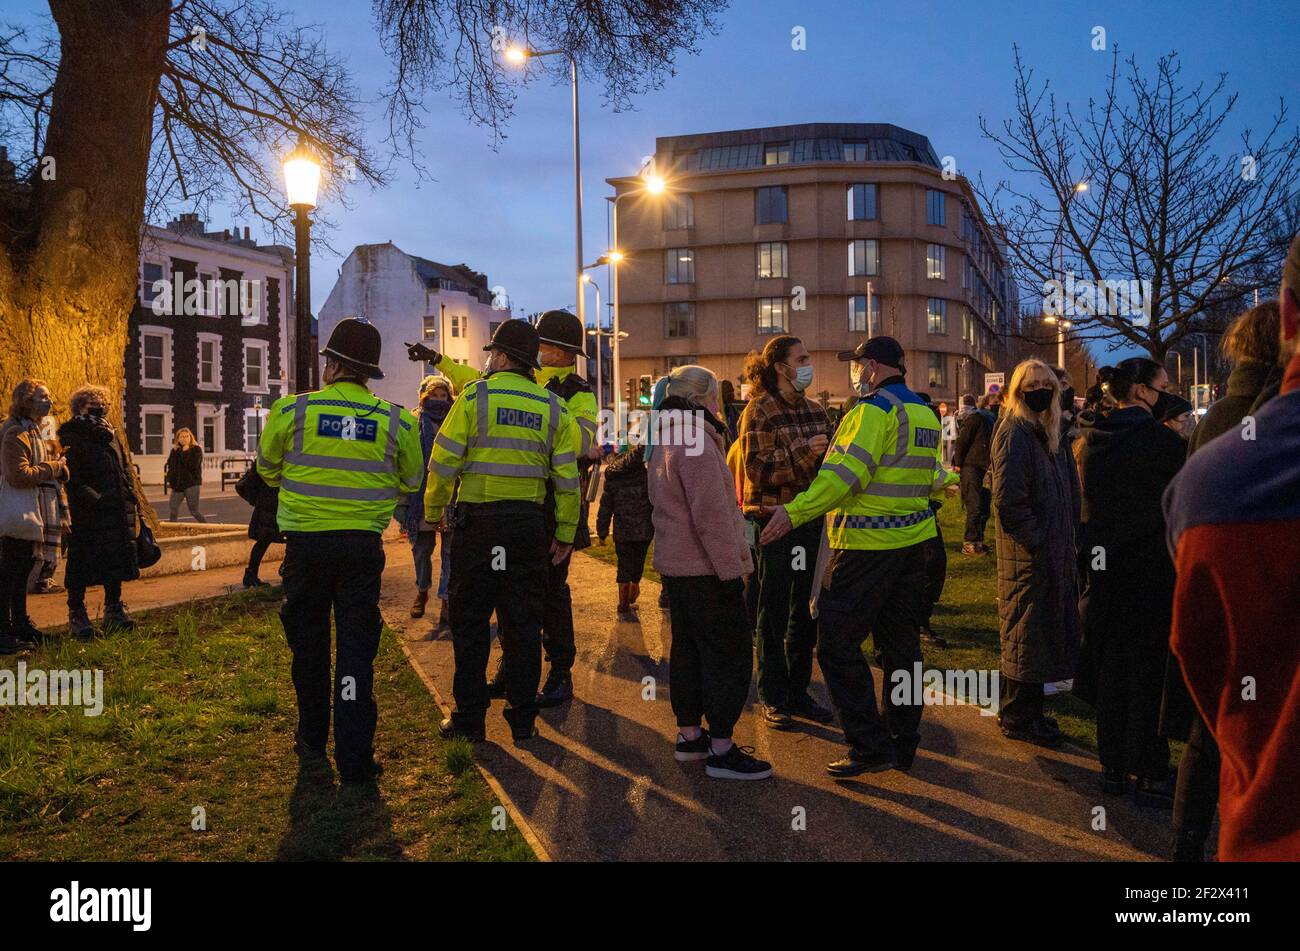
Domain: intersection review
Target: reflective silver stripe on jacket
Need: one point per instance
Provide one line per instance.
(891, 491)
(339, 491)
(342, 463)
(552, 423)
(858, 453)
(566, 483)
(449, 444)
(847, 475)
(589, 428)
(904, 426)
(519, 470)
(381, 466)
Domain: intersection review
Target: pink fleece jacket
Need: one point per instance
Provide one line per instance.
(698, 526)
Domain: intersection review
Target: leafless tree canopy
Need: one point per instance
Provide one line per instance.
(1173, 197)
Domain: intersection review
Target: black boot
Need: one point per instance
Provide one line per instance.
(79, 624)
(1156, 793)
(522, 722)
(115, 616)
(557, 689)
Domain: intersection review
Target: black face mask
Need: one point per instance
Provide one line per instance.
(1038, 400)
(1067, 400)
(1160, 405)
(97, 411)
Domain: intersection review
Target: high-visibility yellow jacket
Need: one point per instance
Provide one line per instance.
(340, 457)
(875, 483)
(504, 438)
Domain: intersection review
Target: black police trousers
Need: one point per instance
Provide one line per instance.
(499, 562)
(877, 593)
(339, 570)
(557, 618)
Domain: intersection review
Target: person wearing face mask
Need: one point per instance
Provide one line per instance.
(875, 484)
(104, 509)
(783, 436)
(1036, 501)
(513, 447)
(1126, 461)
(29, 503)
(341, 457)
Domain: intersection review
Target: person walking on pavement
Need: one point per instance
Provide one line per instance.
(263, 528)
(340, 457)
(183, 475)
(783, 436)
(435, 398)
(625, 502)
(970, 459)
(1037, 499)
(875, 484)
(701, 552)
(104, 509)
(512, 445)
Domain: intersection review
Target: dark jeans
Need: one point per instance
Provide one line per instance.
(631, 560)
(422, 547)
(17, 556)
(511, 581)
(1021, 703)
(1197, 794)
(557, 617)
(255, 557)
(936, 572)
(1129, 689)
(878, 593)
(339, 570)
(77, 596)
(711, 660)
(977, 501)
(786, 633)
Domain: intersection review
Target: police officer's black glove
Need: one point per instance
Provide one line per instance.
(419, 352)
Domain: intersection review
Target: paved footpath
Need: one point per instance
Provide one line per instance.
(600, 783)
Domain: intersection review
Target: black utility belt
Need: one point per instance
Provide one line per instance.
(519, 507)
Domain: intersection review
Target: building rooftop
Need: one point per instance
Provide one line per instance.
(809, 142)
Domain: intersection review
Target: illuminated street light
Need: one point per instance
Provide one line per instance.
(301, 185)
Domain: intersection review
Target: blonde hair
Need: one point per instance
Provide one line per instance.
(78, 400)
(1013, 402)
(23, 395)
(435, 380)
(176, 439)
(693, 383)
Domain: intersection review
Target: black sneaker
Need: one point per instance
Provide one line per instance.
(115, 616)
(308, 754)
(1156, 793)
(810, 709)
(934, 640)
(777, 717)
(449, 729)
(692, 751)
(79, 624)
(557, 690)
(29, 633)
(1039, 732)
(856, 763)
(737, 763)
(1114, 782)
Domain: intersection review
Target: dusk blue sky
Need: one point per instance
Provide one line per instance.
(930, 67)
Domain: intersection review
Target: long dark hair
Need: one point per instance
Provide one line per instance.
(760, 368)
(1118, 381)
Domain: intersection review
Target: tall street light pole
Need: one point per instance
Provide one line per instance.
(302, 182)
(600, 390)
(520, 54)
(654, 185)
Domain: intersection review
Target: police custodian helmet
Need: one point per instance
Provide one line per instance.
(517, 338)
(356, 342)
(561, 328)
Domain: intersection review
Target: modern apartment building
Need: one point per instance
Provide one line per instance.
(827, 231)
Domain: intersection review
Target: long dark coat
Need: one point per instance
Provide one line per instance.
(265, 499)
(1036, 501)
(101, 501)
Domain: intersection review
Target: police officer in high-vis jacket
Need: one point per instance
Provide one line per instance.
(875, 485)
(561, 338)
(340, 457)
(505, 438)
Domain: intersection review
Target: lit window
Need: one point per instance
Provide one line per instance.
(772, 315)
(934, 262)
(864, 258)
(772, 259)
(777, 153)
(858, 319)
(679, 266)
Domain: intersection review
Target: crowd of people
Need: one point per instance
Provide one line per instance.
(1144, 561)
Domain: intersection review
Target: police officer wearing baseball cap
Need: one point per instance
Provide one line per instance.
(340, 457)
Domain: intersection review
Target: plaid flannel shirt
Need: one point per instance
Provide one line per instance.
(774, 437)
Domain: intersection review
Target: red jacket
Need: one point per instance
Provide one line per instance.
(1234, 527)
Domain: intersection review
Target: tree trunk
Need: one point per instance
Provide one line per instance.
(68, 280)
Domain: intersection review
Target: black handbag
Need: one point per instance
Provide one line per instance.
(147, 552)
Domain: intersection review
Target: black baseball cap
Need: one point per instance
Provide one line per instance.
(884, 350)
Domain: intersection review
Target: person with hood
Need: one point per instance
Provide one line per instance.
(970, 460)
(625, 501)
(1126, 461)
(434, 402)
(1036, 498)
(105, 512)
(702, 554)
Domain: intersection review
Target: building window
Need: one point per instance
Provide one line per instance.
(771, 315)
(255, 368)
(772, 259)
(430, 329)
(150, 273)
(679, 212)
(679, 319)
(459, 326)
(858, 319)
(855, 151)
(681, 361)
(776, 153)
(933, 206)
(936, 312)
(210, 295)
(935, 377)
(251, 311)
(679, 266)
(771, 205)
(254, 423)
(155, 356)
(209, 434)
(934, 262)
(209, 362)
(492, 327)
(864, 258)
(862, 202)
(155, 430)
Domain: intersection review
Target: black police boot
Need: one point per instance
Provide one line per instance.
(905, 752)
(79, 624)
(522, 723)
(810, 709)
(856, 763)
(449, 729)
(115, 616)
(557, 690)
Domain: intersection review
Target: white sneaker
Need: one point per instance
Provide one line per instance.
(1060, 686)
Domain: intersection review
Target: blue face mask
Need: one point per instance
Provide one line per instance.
(803, 377)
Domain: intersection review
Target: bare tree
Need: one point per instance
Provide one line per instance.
(1143, 185)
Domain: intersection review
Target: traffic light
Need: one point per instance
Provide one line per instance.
(629, 391)
(645, 384)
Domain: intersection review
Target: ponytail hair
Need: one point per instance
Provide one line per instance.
(760, 368)
(1118, 381)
